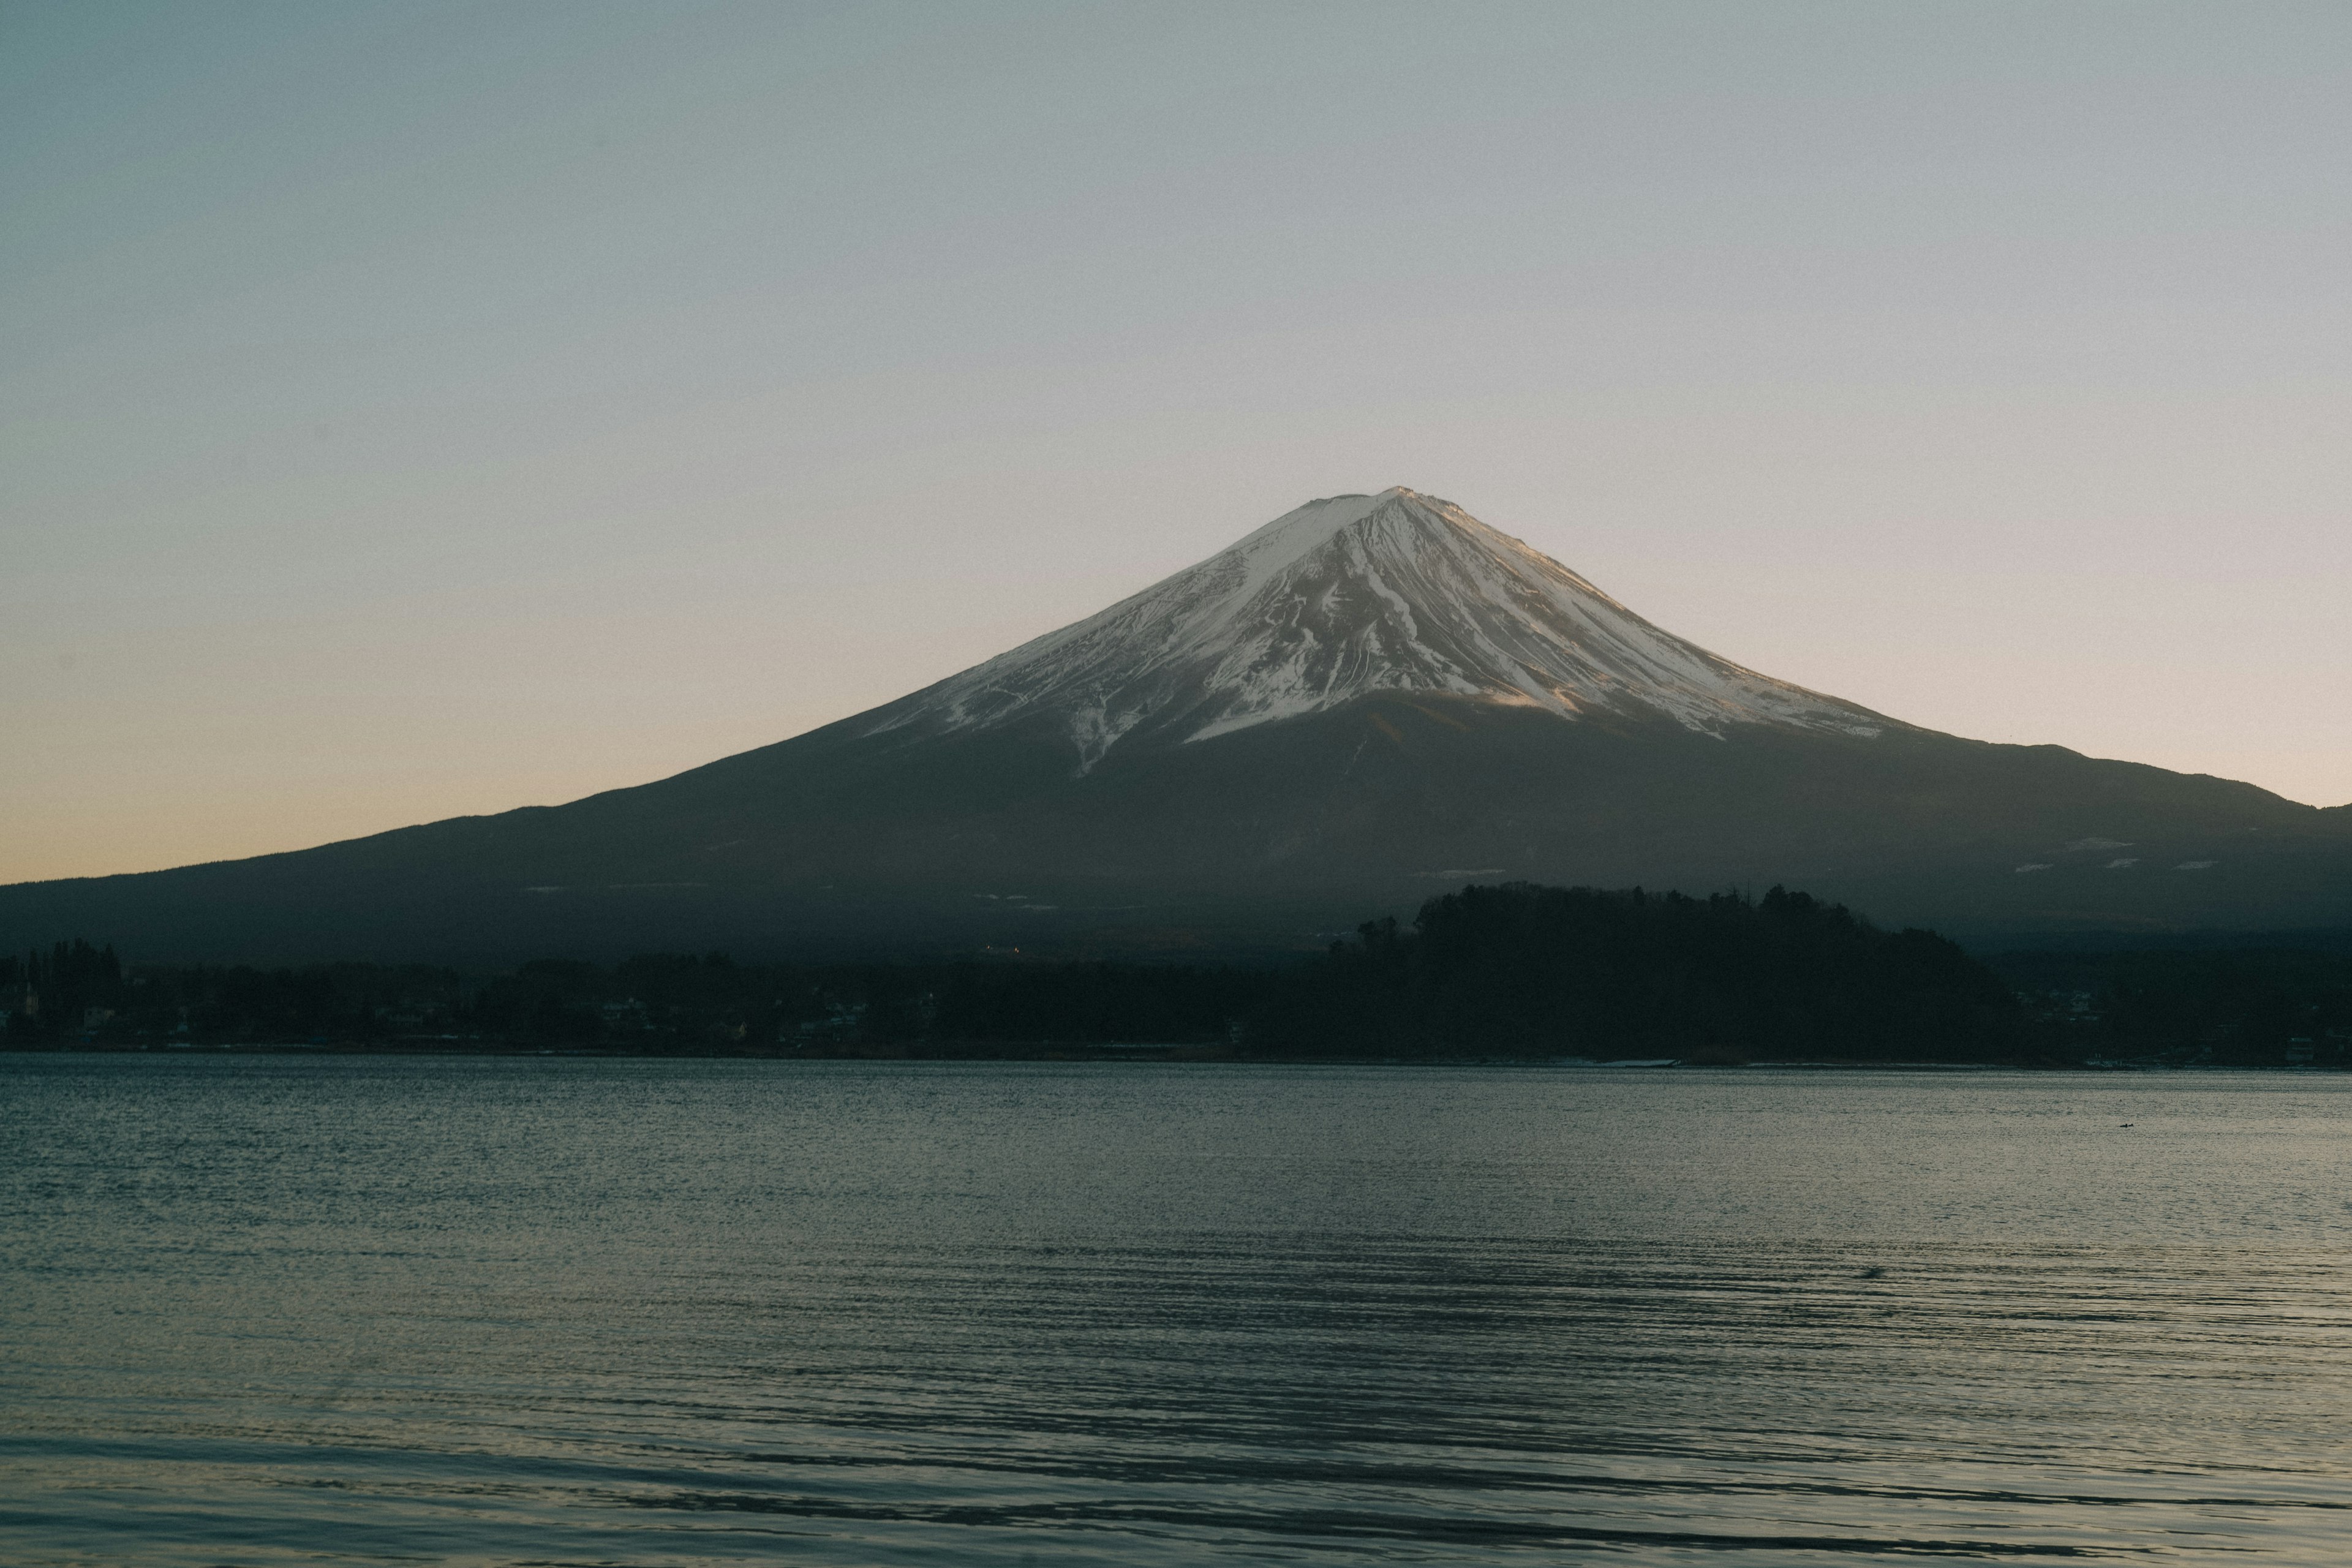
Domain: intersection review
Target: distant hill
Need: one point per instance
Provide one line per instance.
(1369, 700)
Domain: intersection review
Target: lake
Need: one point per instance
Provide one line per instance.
(278, 1308)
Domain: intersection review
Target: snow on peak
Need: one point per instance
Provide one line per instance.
(1347, 596)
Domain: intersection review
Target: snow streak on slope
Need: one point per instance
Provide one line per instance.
(1344, 598)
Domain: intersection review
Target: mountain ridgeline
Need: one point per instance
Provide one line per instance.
(1368, 699)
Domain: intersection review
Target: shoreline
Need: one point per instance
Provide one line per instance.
(1149, 1053)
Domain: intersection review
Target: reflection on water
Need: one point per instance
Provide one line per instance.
(262, 1310)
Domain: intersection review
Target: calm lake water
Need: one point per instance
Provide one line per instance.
(261, 1310)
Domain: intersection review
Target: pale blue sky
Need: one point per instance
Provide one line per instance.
(416, 409)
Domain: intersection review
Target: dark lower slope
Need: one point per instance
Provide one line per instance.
(835, 842)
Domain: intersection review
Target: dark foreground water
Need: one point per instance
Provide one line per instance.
(261, 1310)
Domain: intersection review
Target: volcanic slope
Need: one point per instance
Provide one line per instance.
(1370, 700)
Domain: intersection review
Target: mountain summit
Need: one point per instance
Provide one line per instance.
(1369, 700)
(1346, 598)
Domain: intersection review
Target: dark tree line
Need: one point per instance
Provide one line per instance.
(75, 993)
(1524, 970)
(65, 988)
(653, 1002)
(2256, 1006)
(1512, 971)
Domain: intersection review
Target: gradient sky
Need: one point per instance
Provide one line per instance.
(416, 409)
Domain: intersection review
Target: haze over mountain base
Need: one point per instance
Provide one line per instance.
(1370, 702)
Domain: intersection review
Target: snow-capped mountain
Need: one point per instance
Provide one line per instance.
(1366, 701)
(1343, 598)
